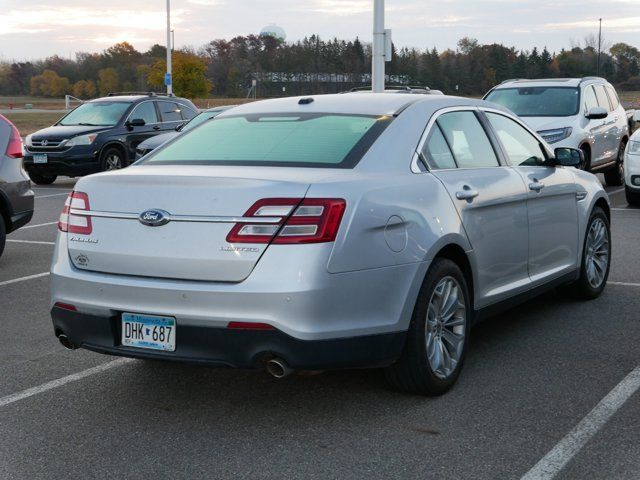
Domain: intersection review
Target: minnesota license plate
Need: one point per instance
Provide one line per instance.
(149, 331)
(40, 158)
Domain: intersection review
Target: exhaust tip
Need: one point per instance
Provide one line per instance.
(278, 368)
(66, 343)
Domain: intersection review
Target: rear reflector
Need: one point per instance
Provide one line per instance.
(309, 220)
(75, 222)
(14, 147)
(66, 306)
(250, 326)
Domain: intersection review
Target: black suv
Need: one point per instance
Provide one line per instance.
(102, 134)
(16, 196)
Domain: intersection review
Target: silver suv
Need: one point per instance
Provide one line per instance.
(582, 113)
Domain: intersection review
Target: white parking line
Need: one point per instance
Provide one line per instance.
(616, 191)
(624, 284)
(554, 461)
(38, 225)
(616, 209)
(22, 279)
(52, 195)
(74, 377)
(30, 241)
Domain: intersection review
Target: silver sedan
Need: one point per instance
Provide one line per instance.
(337, 231)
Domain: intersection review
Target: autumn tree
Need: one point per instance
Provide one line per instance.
(188, 74)
(84, 89)
(49, 84)
(107, 80)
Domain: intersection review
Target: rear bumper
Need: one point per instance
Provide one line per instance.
(233, 348)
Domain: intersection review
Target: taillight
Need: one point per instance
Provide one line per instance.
(309, 220)
(72, 219)
(14, 148)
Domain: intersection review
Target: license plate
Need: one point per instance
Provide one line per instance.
(40, 158)
(149, 331)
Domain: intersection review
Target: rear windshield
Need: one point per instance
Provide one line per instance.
(538, 101)
(96, 114)
(294, 140)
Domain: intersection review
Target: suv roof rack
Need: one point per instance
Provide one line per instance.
(587, 79)
(408, 88)
(148, 94)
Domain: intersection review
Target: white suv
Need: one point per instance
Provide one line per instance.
(582, 113)
(632, 167)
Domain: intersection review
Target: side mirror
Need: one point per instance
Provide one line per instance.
(597, 113)
(636, 116)
(569, 157)
(136, 122)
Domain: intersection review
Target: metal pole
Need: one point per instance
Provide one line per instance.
(173, 40)
(169, 86)
(599, 45)
(377, 67)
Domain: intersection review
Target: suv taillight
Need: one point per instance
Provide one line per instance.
(14, 148)
(74, 221)
(309, 220)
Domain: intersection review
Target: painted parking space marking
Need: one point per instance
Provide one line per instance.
(38, 225)
(22, 279)
(554, 461)
(36, 242)
(52, 195)
(74, 377)
(624, 284)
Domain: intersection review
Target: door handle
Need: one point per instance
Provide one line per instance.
(156, 127)
(467, 193)
(536, 186)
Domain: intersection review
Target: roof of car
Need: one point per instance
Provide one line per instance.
(135, 98)
(550, 82)
(361, 104)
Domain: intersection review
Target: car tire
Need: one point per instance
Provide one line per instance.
(424, 367)
(112, 159)
(615, 176)
(593, 254)
(633, 198)
(3, 235)
(586, 165)
(42, 179)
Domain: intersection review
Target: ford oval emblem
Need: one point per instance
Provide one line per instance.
(154, 218)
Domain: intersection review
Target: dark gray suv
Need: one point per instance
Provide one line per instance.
(16, 196)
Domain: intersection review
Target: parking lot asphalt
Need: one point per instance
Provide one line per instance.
(532, 375)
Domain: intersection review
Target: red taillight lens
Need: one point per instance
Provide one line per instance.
(71, 220)
(309, 220)
(66, 306)
(14, 148)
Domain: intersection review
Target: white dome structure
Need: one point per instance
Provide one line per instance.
(273, 30)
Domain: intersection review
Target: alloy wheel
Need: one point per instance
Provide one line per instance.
(597, 253)
(445, 327)
(113, 162)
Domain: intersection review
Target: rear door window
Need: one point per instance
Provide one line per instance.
(170, 112)
(437, 151)
(603, 100)
(186, 112)
(613, 97)
(469, 143)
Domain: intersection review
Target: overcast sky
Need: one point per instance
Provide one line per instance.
(31, 29)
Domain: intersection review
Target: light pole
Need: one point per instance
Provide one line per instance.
(167, 77)
(378, 57)
(599, 45)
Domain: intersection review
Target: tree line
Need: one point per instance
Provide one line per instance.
(229, 68)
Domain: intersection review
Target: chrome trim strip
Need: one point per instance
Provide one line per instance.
(179, 218)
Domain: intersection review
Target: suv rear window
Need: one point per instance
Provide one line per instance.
(538, 101)
(294, 140)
